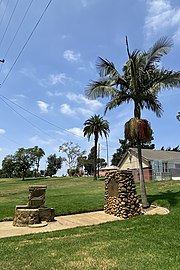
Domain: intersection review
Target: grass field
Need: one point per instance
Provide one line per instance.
(144, 242)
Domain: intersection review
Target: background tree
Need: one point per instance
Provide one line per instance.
(178, 116)
(54, 163)
(72, 153)
(96, 126)
(23, 161)
(175, 149)
(8, 166)
(140, 82)
(38, 154)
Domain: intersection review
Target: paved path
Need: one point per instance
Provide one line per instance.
(61, 223)
(69, 221)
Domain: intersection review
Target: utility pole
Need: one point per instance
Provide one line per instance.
(107, 152)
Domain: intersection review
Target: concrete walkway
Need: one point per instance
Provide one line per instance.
(61, 223)
(70, 221)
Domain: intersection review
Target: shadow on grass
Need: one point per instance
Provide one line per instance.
(170, 196)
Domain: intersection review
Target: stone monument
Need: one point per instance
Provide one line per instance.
(120, 195)
(34, 212)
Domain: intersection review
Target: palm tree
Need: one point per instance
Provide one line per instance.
(96, 126)
(140, 82)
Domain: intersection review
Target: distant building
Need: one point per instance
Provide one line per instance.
(103, 171)
(157, 164)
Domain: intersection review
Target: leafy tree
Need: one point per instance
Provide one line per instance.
(23, 161)
(38, 154)
(54, 163)
(178, 116)
(72, 152)
(175, 149)
(140, 82)
(8, 166)
(96, 126)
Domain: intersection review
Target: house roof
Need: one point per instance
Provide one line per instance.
(109, 168)
(150, 155)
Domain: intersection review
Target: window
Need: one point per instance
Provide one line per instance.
(165, 167)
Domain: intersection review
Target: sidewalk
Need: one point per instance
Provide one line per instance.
(61, 223)
(68, 222)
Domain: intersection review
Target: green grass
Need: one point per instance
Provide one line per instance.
(144, 242)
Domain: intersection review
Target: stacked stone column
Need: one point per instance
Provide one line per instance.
(120, 195)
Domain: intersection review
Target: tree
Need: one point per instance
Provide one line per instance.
(23, 161)
(38, 154)
(96, 126)
(175, 149)
(178, 116)
(54, 163)
(72, 152)
(8, 166)
(140, 82)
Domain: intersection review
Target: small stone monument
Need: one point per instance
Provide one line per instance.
(35, 211)
(120, 195)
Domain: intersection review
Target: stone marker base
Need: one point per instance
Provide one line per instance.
(26, 216)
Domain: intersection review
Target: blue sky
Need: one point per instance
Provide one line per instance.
(49, 76)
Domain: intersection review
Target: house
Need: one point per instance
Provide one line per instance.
(157, 164)
(103, 171)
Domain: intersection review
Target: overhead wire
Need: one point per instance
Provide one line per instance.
(40, 118)
(4, 13)
(26, 119)
(17, 31)
(22, 49)
(10, 19)
(25, 44)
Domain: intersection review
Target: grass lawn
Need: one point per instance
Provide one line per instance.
(144, 242)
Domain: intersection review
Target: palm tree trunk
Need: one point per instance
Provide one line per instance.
(95, 155)
(145, 203)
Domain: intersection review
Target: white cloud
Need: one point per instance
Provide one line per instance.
(43, 106)
(71, 56)
(65, 109)
(84, 112)
(161, 16)
(80, 99)
(38, 141)
(54, 94)
(57, 78)
(77, 131)
(2, 131)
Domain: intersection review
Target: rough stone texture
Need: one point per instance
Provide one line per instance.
(36, 197)
(120, 195)
(35, 211)
(24, 217)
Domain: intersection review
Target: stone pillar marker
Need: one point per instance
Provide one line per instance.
(120, 195)
(35, 211)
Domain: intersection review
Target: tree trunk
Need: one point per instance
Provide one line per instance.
(95, 154)
(145, 203)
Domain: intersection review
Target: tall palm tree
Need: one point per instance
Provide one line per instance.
(140, 82)
(96, 126)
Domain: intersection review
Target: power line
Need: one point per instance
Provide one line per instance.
(40, 118)
(4, 13)
(26, 119)
(25, 44)
(9, 22)
(19, 27)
